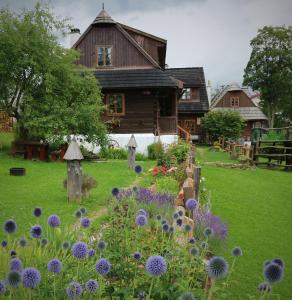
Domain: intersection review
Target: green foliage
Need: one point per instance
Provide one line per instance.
(273, 135)
(167, 184)
(179, 151)
(114, 153)
(269, 70)
(41, 86)
(141, 157)
(226, 124)
(155, 150)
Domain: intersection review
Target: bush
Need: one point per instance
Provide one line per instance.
(114, 153)
(141, 157)
(167, 184)
(155, 150)
(179, 151)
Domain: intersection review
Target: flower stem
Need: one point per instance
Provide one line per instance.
(150, 289)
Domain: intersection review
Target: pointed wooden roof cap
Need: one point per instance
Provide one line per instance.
(103, 17)
(132, 142)
(73, 152)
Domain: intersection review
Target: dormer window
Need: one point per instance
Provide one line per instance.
(104, 56)
(186, 94)
(234, 101)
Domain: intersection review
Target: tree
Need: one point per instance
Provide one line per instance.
(224, 124)
(41, 86)
(269, 70)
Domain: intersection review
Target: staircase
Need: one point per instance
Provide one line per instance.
(184, 134)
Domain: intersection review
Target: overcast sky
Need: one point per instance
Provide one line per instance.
(214, 34)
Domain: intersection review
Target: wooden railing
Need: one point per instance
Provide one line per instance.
(167, 125)
(184, 134)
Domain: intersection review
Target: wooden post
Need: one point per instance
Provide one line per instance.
(197, 178)
(73, 156)
(132, 145)
(188, 188)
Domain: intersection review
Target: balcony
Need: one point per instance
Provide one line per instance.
(167, 125)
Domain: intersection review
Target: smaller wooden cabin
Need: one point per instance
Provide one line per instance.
(234, 98)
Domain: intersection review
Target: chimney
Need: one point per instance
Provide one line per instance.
(209, 91)
(74, 36)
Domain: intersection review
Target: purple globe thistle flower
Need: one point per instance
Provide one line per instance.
(66, 245)
(44, 242)
(179, 222)
(30, 277)
(92, 286)
(55, 266)
(264, 287)
(4, 243)
(79, 250)
(74, 290)
(192, 240)
(236, 252)
(101, 245)
(13, 279)
(165, 227)
(15, 265)
(10, 226)
(37, 212)
(78, 214)
(91, 253)
(180, 213)
(85, 222)
(204, 245)
(115, 191)
(138, 169)
(273, 273)
(208, 232)
(2, 287)
(13, 253)
(83, 210)
(36, 231)
(156, 265)
(194, 251)
(142, 211)
(137, 255)
(217, 267)
(191, 204)
(103, 266)
(22, 242)
(187, 296)
(279, 262)
(54, 221)
(188, 228)
(141, 220)
(175, 215)
(158, 217)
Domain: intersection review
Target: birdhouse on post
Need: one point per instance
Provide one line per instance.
(74, 156)
(132, 145)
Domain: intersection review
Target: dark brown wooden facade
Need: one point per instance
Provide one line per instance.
(140, 95)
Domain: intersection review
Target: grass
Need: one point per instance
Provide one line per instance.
(256, 204)
(43, 186)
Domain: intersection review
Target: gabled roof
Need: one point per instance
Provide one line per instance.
(191, 77)
(135, 78)
(104, 18)
(247, 113)
(73, 152)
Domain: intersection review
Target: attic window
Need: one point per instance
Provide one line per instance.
(234, 101)
(115, 104)
(104, 56)
(186, 94)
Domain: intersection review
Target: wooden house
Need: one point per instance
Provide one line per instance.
(141, 96)
(234, 98)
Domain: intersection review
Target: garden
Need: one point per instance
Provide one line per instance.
(133, 238)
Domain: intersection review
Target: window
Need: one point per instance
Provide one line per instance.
(186, 94)
(234, 101)
(115, 104)
(104, 56)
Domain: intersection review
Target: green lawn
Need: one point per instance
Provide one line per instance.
(257, 205)
(43, 186)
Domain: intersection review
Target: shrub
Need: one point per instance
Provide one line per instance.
(140, 156)
(114, 153)
(179, 151)
(167, 184)
(155, 150)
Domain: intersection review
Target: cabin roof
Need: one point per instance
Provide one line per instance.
(135, 78)
(191, 77)
(247, 113)
(73, 152)
(103, 17)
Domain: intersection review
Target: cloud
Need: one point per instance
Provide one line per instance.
(214, 34)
